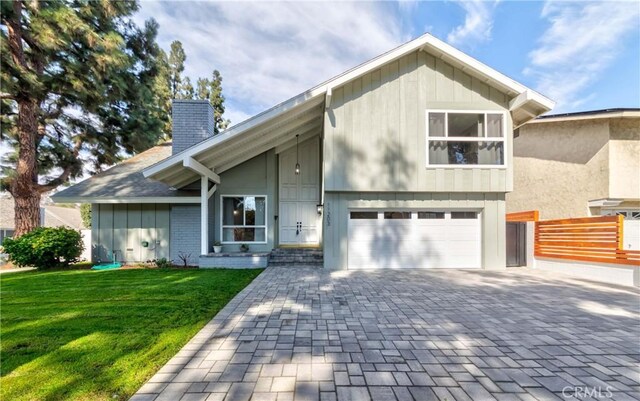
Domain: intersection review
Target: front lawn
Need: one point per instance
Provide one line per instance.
(87, 335)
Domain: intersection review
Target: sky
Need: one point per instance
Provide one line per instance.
(584, 55)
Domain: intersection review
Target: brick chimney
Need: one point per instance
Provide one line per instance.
(193, 122)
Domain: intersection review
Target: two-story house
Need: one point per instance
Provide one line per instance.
(401, 162)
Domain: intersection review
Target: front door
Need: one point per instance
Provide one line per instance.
(299, 193)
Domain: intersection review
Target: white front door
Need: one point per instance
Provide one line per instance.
(299, 194)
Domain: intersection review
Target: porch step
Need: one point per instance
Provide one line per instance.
(296, 257)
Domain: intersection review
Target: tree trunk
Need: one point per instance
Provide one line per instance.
(27, 215)
(24, 187)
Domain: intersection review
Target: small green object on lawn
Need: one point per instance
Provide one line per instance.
(108, 266)
(77, 335)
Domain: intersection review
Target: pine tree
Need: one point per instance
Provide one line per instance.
(162, 89)
(203, 89)
(216, 98)
(78, 91)
(177, 58)
(187, 91)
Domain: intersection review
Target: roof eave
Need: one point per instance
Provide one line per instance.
(125, 199)
(534, 105)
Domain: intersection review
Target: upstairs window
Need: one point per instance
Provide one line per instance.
(464, 138)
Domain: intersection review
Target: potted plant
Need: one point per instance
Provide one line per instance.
(244, 248)
(217, 247)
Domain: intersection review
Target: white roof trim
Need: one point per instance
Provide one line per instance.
(424, 42)
(606, 202)
(603, 115)
(125, 199)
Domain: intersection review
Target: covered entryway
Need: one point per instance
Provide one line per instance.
(414, 239)
(299, 194)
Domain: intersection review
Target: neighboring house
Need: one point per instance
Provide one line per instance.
(403, 161)
(580, 164)
(50, 216)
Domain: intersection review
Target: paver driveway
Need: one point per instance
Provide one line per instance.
(310, 334)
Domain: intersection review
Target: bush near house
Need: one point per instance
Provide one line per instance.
(45, 247)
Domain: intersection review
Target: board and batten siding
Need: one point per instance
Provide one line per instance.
(123, 228)
(337, 206)
(375, 129)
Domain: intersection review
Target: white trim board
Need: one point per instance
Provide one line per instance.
(127, 199)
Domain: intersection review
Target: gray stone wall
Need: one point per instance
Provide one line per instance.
(193, 122)
(185, 232)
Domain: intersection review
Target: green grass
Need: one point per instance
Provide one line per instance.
(88, 335)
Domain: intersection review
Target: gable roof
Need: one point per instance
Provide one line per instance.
(7, 211)
(53, 216)
(304, 112)
(125, 182)
(58, 216)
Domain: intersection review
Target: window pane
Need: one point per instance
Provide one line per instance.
(244, 234)
(240, 235)
(466, 125)
(473, 153)
(250, 211)
(464, 215)
(441, 152)
(436, 124)
(232, 211)
(491, 153)
(494, 125)
(227, 234)
(261, 211)
(431, 215)
(363, 215)
(397, 215)
(438, 152)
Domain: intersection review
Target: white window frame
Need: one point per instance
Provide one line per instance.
(265, 226)
(484, 138)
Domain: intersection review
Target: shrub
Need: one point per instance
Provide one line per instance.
(162, 263)
(85, 214)
(45, 247)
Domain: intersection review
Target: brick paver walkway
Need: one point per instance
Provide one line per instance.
(310, 334)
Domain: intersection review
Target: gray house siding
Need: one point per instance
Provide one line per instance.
(122, 228)
(338, 204)
(172, 230)
(257, 176)
(375, 134)
(185, 232)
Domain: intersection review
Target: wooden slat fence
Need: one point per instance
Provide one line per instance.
(530, 215)
(589, 239)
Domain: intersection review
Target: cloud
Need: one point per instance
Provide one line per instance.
(478, 23)
(269, 52)
(582, 40)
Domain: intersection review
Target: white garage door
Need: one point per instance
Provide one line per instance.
(416, 239)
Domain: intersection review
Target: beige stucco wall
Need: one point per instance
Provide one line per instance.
(624, 158)
(559, 167)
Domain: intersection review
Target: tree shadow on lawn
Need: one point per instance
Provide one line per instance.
(84, 334)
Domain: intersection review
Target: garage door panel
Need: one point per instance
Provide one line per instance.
(414, 243)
